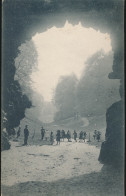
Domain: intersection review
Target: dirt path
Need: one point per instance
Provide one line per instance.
(71, 169)
(48, 163)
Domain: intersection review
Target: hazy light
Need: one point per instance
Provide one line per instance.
(63, 51)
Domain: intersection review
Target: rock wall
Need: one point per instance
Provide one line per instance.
(5, 145)
(112, 150)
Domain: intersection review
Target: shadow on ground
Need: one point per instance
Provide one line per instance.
(107, 182)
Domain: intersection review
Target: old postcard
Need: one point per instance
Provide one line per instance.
(62, 98)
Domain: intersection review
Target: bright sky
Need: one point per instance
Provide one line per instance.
(63, 51)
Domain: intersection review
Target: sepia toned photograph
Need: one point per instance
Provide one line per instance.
(62, 98)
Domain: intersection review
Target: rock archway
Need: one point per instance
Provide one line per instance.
(22, 19)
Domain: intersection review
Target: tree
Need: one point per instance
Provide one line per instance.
(15, 96)
(64, 98)
(95, 91)
(92, 94)
(26, 63)
(15, 106)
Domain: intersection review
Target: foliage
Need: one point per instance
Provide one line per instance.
(65, 99)
(26, 63)
(92, 94)
(15, 106)
(95, 91)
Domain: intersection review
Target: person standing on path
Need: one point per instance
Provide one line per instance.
(42, 133)
(68, 135)
(81, 136)
(75, 135)
(84, 137)
(51, 138)
(98, 136)
(26, 134)
(95, 134)
(58, 137)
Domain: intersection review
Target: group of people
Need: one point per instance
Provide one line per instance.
(97, 135)
(60, 135)
(26, 134)
(83, 135)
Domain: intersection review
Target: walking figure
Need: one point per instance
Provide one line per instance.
(95, 134)
(42, 133)
(84, 136)
(18, 132)
(75, 135)
(98, 136)
(26, 134)
(51, 138)
(81, 135)
(58, 137)
(68, 135)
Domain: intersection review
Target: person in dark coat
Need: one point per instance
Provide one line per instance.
(95, 134)
(26, 134)
(68, 135)
(75, 135)
(84, 136)
(98, 135)
(51, 138)
(42, 133)
(18, 132)
(81, 135)
(58, 137)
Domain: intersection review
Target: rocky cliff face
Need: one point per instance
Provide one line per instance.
(112, 150)
(5, 145)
